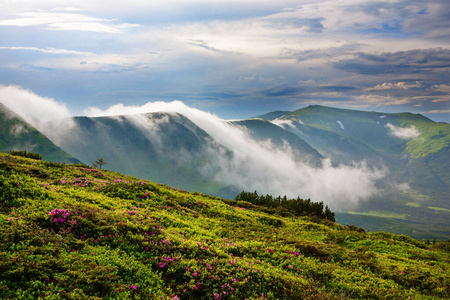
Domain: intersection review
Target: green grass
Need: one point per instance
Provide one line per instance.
(415, 195)
(439, 209)
(412, 204)
(381, 214)
(76, 232)
(433, 138)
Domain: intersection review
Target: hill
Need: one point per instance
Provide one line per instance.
(399, 140)
(164, 147)
(262, 130)
(73, 231)
(17, 134)
(271, 115)
(414, 150)
(384, 172)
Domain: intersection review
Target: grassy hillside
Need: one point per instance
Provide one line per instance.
(372, 129)
(72, 231)
(16, 134)
(272, 115)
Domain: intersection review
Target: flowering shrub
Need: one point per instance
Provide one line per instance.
(59, 215)
(115, 237)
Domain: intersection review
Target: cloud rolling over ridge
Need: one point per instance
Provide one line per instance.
(264, 167)
(49, 116)
(253, 165)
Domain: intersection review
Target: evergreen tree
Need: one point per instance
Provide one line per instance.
(298, 206)
(99, 163)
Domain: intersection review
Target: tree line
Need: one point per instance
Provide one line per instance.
(24, 153)
(298, 206)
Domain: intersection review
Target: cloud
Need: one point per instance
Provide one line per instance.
(433, 19)
(49, 116)
(17, 130)
(49, 50)
(436, 111)
(398, 85)
(257, 78)
(261, 165)
(445, 88)
(282, 90)
(401, 62)
(204, 45)
(403, 133)
(66, 21)
(285, 41)
(31, 107)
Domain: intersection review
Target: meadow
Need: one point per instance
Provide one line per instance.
(79, 232)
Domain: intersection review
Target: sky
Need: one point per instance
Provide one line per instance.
(234, 59)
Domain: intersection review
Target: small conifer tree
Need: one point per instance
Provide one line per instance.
(99, 163)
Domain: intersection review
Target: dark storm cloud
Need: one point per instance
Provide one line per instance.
(281, 91)
(286, 90)
(324, 53)
(403, 62)
(336, 88)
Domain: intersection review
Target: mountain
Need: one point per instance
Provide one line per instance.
(272, 115)
(78, 232)
(164, 147)
(262, 130)
(414, 150)
(379, 171)
(17, 134)
(406, 142)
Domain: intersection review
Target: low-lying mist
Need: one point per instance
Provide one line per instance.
(252, 165)
(50, 117)
(264, 167)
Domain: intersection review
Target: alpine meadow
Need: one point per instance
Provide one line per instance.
(70, 230)
(77, 232)
(225, 149)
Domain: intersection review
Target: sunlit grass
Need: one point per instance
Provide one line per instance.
(381, 214)
(439, 209)
(76, 232)
(412, 204)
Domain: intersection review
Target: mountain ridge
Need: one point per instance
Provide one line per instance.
(286, 155)
(17, 134)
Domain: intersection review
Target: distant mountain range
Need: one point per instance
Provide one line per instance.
(396, 164)
(415, 149)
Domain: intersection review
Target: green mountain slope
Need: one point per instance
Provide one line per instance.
(372, 129)
(414, 149)
(164, 147)
(169, 148)
(71, 231)
(263, 130)
(17, 134)
(272, 115)
(405, 142)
